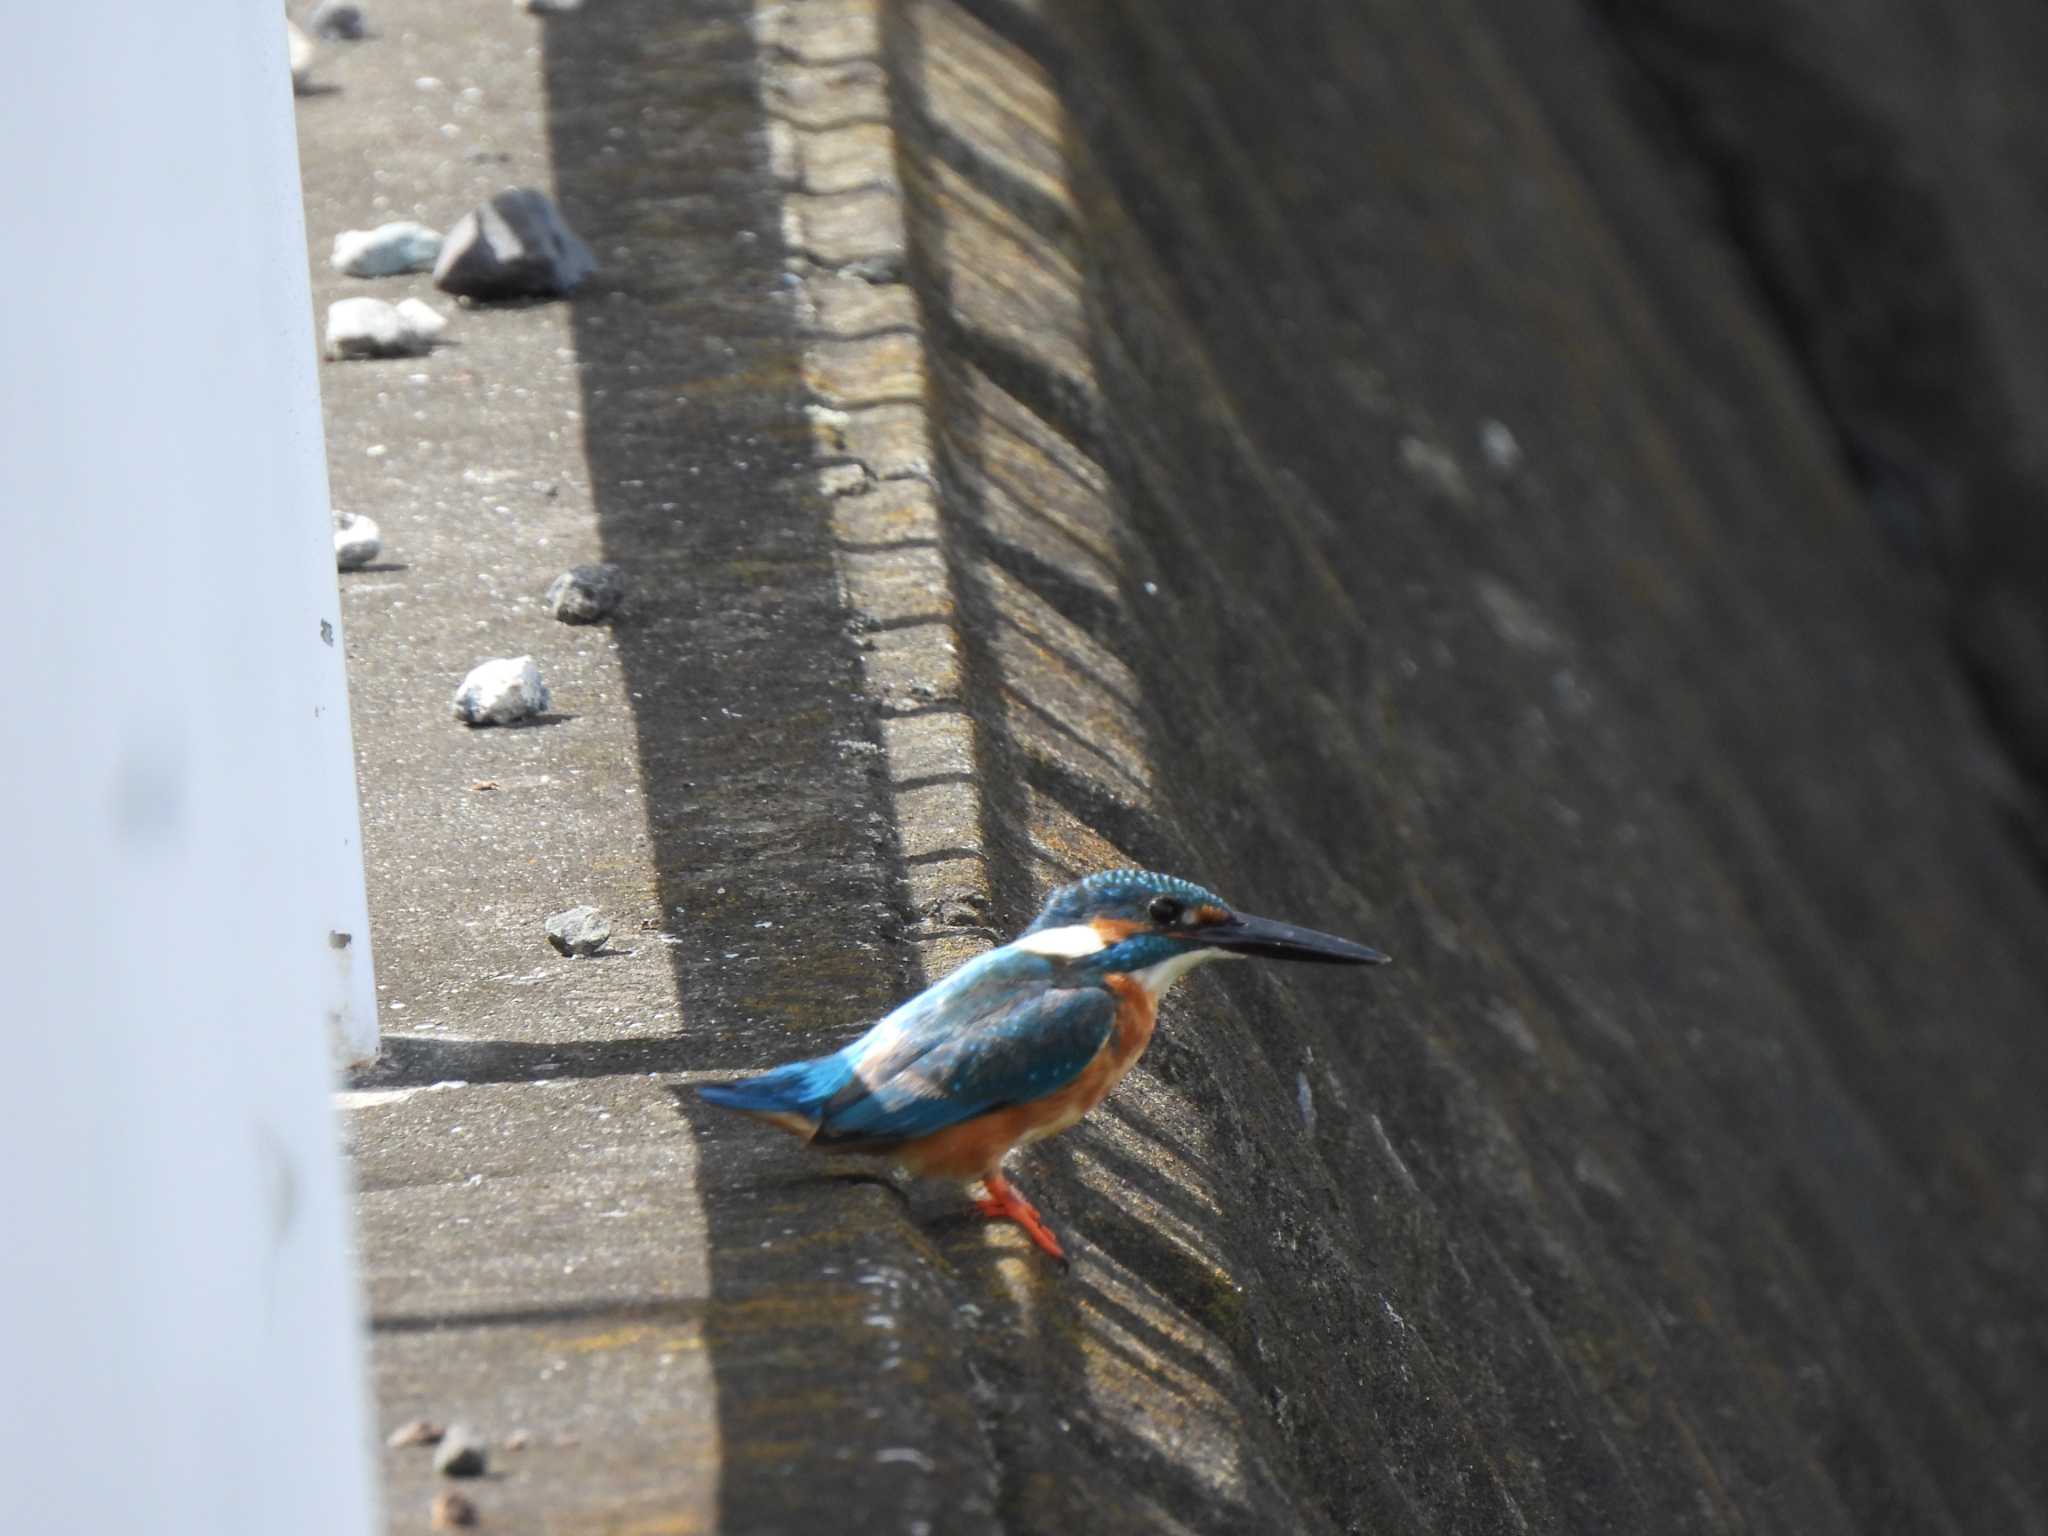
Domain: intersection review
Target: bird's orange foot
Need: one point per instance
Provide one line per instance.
(1004, 1203)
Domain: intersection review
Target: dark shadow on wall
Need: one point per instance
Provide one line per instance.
(1601, 1094)
(1888, 272)
(770, 830)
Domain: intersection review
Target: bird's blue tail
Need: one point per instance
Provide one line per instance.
(793, 1097)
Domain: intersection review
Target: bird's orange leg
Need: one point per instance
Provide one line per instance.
(1003, 1202)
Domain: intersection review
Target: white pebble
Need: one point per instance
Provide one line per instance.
(366, 327)
(357, 541)
(403, 245)
(425, 320)
(500, 692)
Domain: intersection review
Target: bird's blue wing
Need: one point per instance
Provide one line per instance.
(1000, 1040)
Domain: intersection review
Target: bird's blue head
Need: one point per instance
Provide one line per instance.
(1136, 921)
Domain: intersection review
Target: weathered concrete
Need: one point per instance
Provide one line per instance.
(1878, 168)
(1688, 1172)
(1045, 434)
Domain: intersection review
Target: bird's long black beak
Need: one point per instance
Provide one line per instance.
(1283, 941)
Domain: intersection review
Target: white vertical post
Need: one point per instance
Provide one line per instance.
(179, 851)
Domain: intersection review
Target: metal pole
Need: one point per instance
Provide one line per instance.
(183, 897)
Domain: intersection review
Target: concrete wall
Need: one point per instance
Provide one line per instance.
(1375, 488)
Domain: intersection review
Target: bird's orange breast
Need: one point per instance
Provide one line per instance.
(975, 1147)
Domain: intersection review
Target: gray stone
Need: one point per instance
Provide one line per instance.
(338, 21)
(461, 1453)
(548, 7)
(403, 245)
(584, 594)
(501, 692)
(366, 327)
(513, 247)
(357, 541)
(579, 931)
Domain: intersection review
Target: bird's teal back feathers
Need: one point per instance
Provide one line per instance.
(997, 1031)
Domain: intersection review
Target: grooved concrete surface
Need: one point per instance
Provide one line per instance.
(1480, 580)
(1047, 434)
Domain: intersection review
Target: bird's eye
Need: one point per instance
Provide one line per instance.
(1166, 910)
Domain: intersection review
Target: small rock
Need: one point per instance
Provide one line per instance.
(844, 479)
(452, 1510)
(301, 56)
(579, 931)
(548, 7)
(416, 1432)
(426, 321)
(366, 327)
(500, 692)
(956, 907)
(338, 20)
(513, 247)
(461, 1453)
(403, 245)
(583, 594)
(356, 542)
(518, 1440)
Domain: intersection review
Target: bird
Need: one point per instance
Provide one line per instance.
(1022, 1041)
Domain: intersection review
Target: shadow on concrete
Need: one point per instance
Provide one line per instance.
(770, 826)
(418, 1061)
(648, 1309)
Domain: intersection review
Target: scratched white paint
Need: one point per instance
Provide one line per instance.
(178, 1319)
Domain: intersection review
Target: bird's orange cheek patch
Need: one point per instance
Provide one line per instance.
(1113, 930)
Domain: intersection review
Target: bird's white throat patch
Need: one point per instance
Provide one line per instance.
(1082, 939)
(1069, 943)
(1155, 979)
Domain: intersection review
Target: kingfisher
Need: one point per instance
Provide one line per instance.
(1021, 1042)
